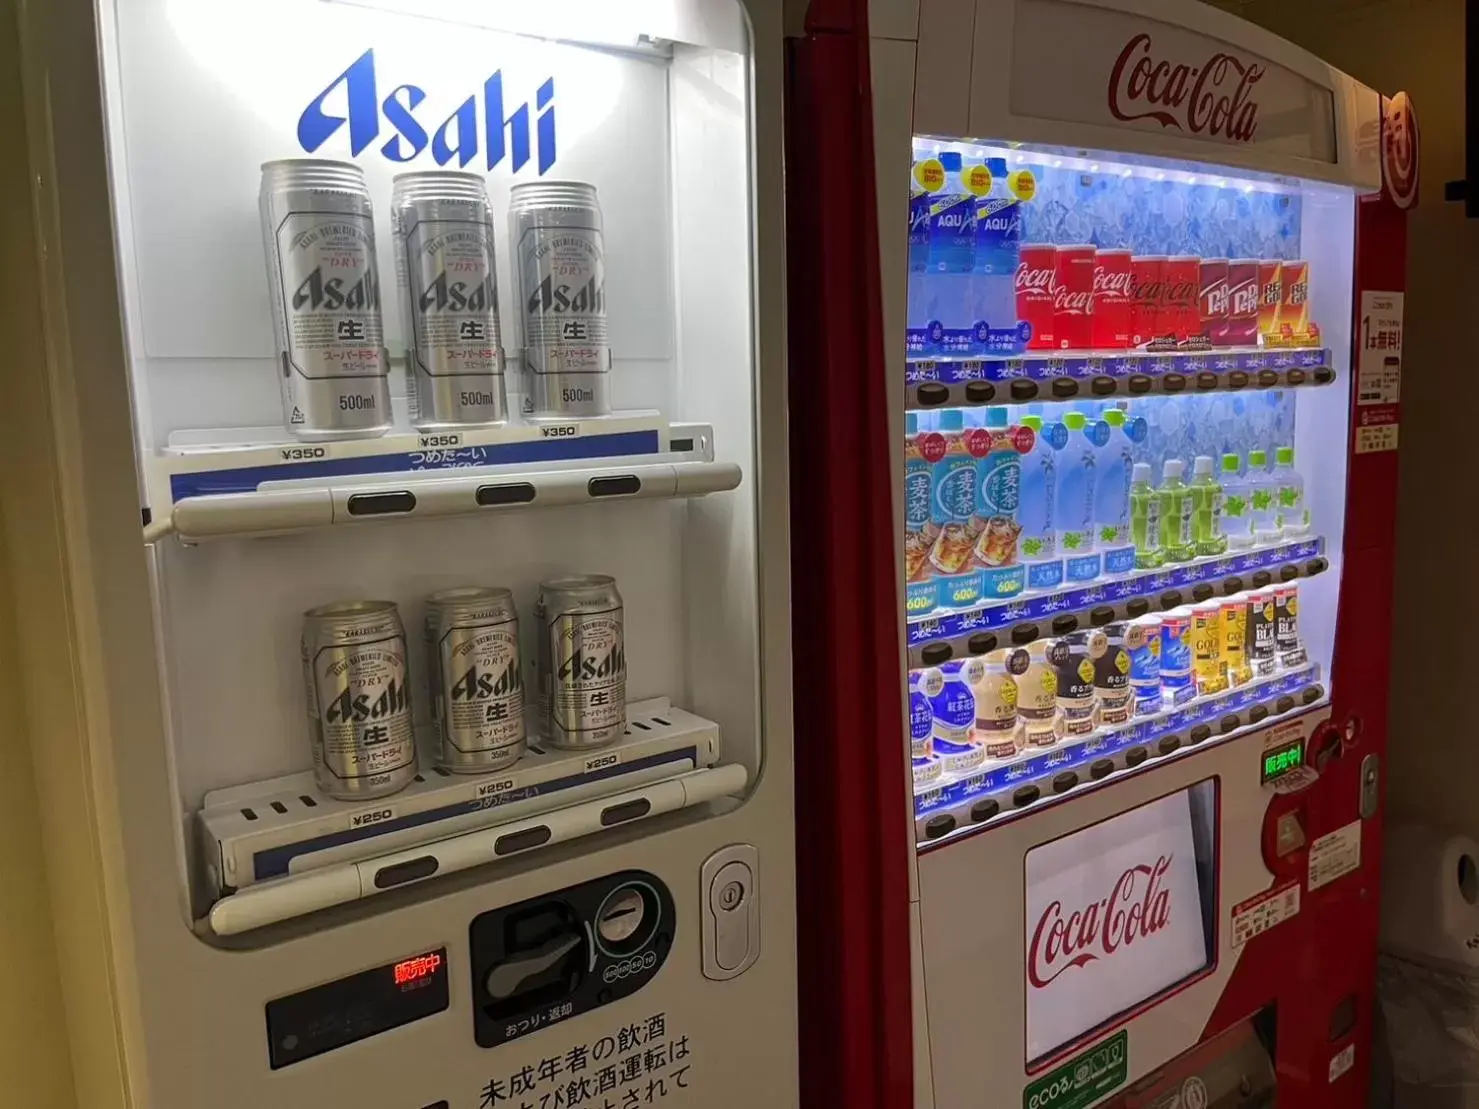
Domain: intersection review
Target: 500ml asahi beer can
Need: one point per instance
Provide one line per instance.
(449, 294)
(359, 703)
(559, 265)
(580, 662)
(325, 292)
(477, 687)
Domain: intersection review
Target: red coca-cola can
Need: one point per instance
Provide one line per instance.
(1179, 316)
(1036, 264)
(1242, 302)
(1114, 299)
(1147, 285)
(1073, 297)
(1212, 301)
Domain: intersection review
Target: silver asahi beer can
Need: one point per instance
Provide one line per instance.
(449, 299)
(580, 662)
(324, 284)
(359, 701)
(477, 685)
(559, 266)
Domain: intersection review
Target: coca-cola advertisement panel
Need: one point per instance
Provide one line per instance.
(1080, 63)
(1115, 913)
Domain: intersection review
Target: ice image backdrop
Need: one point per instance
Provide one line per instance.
(1151, 216)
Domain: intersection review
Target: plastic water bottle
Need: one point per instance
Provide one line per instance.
(1036, 504)
(1264, 492)
(1145, 521)
(926, 179)
(1176, 511)
(1074, 509)
(1237, 505)
(1206, 508)
(998, 234)
(952, 257)
(1294, 517)
(1116, 466)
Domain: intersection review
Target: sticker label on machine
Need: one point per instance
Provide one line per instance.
(1084, 1079)
(1379, 371)
(648, 1062)
(1258, 914)
(1335, 855)
(1342, 1061)
(1376, 429)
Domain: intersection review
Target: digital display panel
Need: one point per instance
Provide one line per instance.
(1117, 913)
(350, 1009)
(1278, 761)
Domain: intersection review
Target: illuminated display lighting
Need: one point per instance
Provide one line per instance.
(417, 969)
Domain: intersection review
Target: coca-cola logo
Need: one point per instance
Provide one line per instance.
(1073, 303)
(1136, 908)
(1214, 98)
(1114, 284)
(1034, 279)
(1178, 293)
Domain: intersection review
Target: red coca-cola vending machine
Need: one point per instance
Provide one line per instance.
(1096, 318)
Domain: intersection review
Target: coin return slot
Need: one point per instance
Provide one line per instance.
(678, 446)
(381, 504)
(623, 486)
(517, 492)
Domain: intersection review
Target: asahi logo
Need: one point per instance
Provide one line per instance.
(1215, 98)
(478, 125)
(480, 685)
(588, 299)
(330, 294)
(1136, 908)
(352, 707)
(445, 295)
(584, 666)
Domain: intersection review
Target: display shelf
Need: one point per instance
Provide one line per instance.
(1034, 776)
(278, 849)
(937, 637)
(1035, 377)
(205, 493)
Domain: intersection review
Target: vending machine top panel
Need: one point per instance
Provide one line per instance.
(1153, 77)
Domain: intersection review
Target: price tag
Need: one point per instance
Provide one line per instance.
(1379, 370)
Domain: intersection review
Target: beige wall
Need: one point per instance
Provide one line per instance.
(1417, 45)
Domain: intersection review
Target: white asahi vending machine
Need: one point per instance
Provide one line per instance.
(414, 381)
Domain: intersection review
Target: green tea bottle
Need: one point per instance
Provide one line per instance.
(1176, 506)
(1206, 503)
(1145, 519)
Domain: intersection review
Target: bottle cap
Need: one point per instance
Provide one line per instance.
(996, 417)
(1114, 417)
(1141, 472)
(1174, 468)
(997, 166)
(950, 159)
(1258, 459)
(1075, 421)
(952, 419)
(911, 423)
(1034, 422)
(1202, 467)
(1229, 464)
(1284, 456)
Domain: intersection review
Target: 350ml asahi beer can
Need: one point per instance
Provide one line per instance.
(581, 662)
(559, 267)
(449, 296)
(477, 687)
(325, 292)
(359, 703)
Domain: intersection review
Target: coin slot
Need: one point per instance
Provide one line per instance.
(514, 492)
(623, 485)
(627, 919)
(382, 504)
(664, 723)
(639, 724)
